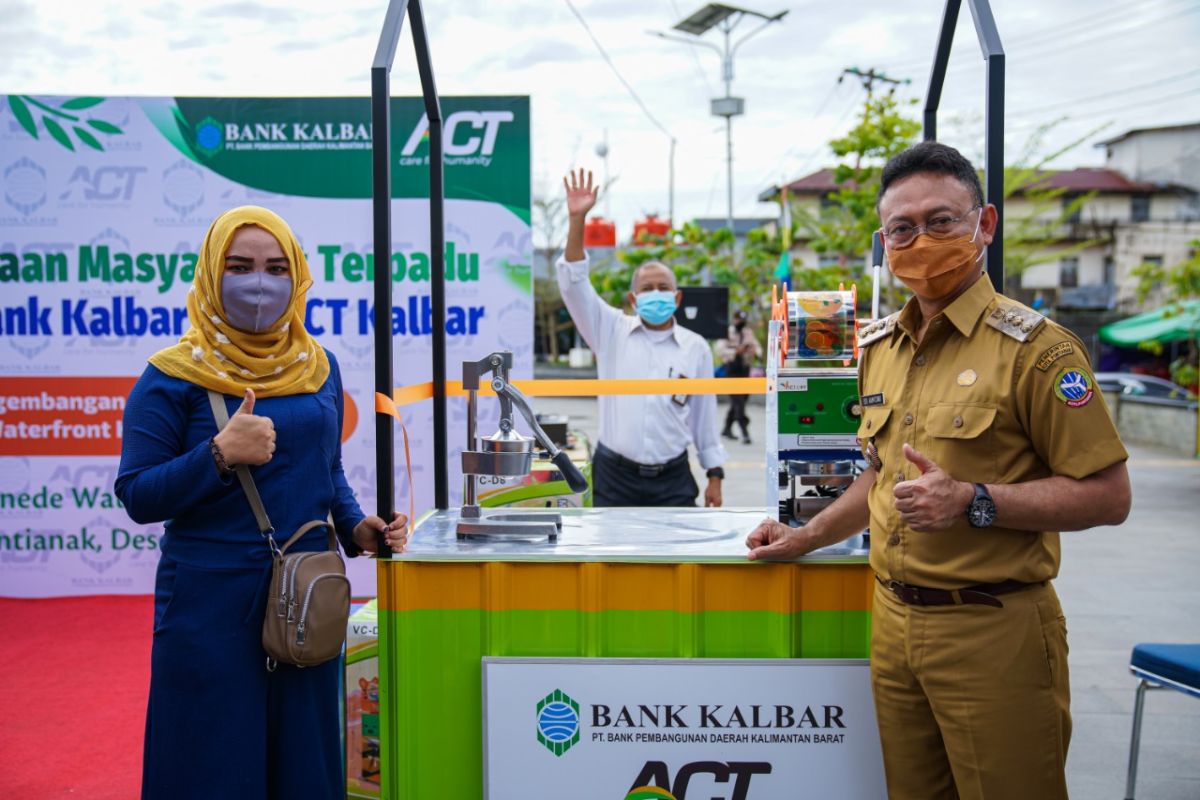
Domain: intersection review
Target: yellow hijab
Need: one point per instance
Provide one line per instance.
(212, 353)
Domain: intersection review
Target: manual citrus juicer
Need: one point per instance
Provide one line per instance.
(506, 453)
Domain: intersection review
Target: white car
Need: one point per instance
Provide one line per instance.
(1135, 385)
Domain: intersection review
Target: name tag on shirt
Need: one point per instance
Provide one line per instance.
(679, 399)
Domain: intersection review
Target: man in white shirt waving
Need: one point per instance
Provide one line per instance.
(641, 458)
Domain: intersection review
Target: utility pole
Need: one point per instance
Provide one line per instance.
(869, 79)
(724, 18)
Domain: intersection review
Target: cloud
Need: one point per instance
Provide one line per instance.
(553, 52)
(255, 11)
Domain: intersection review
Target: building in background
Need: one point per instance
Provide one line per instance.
(1143, 205)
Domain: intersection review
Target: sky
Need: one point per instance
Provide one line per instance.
(1098, 67)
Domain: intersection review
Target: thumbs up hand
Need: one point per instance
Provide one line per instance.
(247, 439)
(934, 501)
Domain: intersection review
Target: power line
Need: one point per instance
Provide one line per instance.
(1040, 46)
(1054, 48)
(692, 51)
(1139, 104)
(791, 150)
(1067, 118)
(1036, 37)
(820, 148)
(1106, 95)
(603, 54)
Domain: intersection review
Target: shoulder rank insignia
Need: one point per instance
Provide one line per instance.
(1015, 320)
(877, 330)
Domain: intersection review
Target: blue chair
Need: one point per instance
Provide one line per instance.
(1159, 666)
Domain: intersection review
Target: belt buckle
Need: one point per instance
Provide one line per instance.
(909, 595)
(649, 470)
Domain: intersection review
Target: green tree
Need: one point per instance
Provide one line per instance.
(691, 250)
(1180, 283)
(549, 312)
(847, 218)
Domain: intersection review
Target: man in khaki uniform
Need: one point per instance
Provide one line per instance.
(985, 435)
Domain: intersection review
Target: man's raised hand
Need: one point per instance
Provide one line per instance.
(581, 193)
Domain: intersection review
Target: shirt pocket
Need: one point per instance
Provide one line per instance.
(874, 421)
(963, 439)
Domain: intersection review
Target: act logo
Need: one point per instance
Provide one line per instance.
(25, 185)
(103, 184)
(558, 722)
(654, 781)
(210, 136)
(480, 138)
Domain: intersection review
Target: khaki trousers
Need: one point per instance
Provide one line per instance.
(972, 701)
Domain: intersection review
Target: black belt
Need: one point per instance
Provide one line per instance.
(644, 470)
(979, 594)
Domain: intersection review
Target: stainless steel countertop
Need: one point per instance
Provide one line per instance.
(613, 534)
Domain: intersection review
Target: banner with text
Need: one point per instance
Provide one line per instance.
(615, 729)
(105, 202)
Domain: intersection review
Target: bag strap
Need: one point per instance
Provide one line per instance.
(331, 536)
(221, 413)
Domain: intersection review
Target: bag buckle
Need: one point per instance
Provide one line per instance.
(269, 535)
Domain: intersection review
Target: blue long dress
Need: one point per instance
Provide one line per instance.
(218, 724)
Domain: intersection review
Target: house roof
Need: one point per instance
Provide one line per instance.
(741, 225)
(1130, 133)
(818, 183)
(1094, 179)
(1080, 179)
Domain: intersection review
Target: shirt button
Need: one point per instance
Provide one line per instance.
(894, 539)
(868, 424)
(908, 419)
(899, 477)
(958, 422)
(921, 360)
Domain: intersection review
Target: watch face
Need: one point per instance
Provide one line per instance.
(982, 512)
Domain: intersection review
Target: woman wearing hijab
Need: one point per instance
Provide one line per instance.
(219, 724)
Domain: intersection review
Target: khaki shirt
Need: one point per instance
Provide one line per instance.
(986, 407)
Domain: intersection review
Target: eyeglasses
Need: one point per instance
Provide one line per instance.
(942, 226)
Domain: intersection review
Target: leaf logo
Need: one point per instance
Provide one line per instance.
(55, 121)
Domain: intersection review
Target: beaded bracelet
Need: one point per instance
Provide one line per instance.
(223, 469)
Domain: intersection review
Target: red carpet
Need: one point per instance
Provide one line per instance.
(74, 675)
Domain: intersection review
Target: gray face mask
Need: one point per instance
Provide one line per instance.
(254, 301)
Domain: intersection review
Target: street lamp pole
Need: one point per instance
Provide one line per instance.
(725, 17)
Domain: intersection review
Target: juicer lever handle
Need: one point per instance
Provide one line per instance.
(562, 460)
(571, 473)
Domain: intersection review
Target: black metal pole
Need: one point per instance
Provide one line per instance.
(437, 254)
(937, 76)
(993, 167)
(381, 208)
(993, 54)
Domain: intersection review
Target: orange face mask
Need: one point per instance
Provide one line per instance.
(933, 268)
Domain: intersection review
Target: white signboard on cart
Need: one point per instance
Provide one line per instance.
(680, 729)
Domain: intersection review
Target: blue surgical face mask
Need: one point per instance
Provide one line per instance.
(656, 307)
(254, 301)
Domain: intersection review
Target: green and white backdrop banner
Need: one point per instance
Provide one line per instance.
(105, 202)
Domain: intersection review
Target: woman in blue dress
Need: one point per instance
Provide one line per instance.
(219, 724)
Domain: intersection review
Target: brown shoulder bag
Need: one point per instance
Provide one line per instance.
(308, 605)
